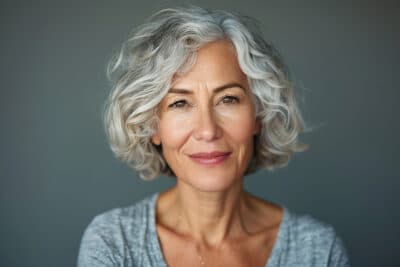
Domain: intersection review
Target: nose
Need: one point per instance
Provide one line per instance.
(206, 125)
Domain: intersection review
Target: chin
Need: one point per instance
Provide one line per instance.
(208, 182)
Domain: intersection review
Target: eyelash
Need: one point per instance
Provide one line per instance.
(227, 100)
(231, 99)
(178, 104)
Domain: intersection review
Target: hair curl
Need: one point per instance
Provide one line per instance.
(142, 72)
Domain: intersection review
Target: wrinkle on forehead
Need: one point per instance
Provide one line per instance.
(216, 64)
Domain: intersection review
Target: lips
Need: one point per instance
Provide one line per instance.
(210, 158)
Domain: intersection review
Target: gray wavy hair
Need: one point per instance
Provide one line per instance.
(142, 72)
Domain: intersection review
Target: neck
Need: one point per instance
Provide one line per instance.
(209, 217)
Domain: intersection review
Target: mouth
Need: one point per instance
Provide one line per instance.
(210, 158)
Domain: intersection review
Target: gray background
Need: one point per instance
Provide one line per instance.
(56, 168)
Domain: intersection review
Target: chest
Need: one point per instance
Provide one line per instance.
(252, 251)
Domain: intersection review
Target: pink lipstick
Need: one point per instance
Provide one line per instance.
(210, 158)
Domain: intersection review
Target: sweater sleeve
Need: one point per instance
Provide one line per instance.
(338, 254)
(97, 247)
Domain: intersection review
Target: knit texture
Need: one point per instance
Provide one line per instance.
(128, 237)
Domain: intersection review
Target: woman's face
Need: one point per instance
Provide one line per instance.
(207, 121)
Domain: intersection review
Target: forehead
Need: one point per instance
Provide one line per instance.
(216, 64)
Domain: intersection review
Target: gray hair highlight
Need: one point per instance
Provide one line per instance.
(166, 44)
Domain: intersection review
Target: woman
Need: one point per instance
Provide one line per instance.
(199, 95)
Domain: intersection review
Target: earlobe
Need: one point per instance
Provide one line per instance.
(156, 140)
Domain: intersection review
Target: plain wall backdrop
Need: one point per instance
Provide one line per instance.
(57, 171)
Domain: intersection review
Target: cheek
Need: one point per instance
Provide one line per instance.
(243, 138)
(240, 125)
(174, 131)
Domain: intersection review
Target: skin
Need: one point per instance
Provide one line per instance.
(207, 216)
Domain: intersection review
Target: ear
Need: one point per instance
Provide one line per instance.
(155, 139)
(257, 127)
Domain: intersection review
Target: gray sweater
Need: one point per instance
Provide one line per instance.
(127, 237)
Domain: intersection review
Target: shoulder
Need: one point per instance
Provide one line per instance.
(306, 228)
(118, 218)
(112, 235)
(314, 241)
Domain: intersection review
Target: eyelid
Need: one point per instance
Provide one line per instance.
(232, 97)
(174, 103)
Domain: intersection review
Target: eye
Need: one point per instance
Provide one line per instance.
(178, 104)
(229, 99)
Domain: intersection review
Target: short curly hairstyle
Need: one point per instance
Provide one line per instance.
(142, 72)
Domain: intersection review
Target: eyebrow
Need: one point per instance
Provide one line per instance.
(215, 90)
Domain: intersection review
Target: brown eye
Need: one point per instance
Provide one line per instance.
(178, 104)
(228, 99)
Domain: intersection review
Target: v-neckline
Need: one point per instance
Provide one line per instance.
(272, 260)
